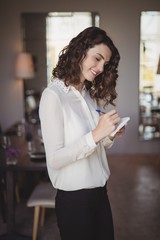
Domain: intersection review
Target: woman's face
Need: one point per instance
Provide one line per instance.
(95, 60)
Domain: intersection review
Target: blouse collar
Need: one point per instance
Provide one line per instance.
(62, 85)
(65, 88)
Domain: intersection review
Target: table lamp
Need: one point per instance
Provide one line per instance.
(24, 69)
(24, 66)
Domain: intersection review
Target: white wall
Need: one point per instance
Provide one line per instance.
(120, 19)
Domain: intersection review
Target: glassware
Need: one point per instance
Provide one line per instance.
(5, 141)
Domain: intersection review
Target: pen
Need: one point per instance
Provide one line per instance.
(99, 111)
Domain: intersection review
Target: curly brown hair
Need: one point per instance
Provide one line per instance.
(68, 66)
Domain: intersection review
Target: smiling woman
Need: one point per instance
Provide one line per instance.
(76, 138)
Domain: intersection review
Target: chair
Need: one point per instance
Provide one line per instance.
(43, 196)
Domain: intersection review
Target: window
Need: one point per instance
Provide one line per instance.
(61, 27)
(149, 84)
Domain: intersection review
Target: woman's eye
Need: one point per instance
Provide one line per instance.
(98, 59)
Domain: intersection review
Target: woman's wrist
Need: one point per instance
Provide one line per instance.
(111, 137)
(96, 136)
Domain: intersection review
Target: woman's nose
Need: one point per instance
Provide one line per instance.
(101, 67)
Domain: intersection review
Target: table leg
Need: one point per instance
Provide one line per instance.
(10, 203)
(11, 232)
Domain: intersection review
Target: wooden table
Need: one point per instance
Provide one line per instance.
(24, 164)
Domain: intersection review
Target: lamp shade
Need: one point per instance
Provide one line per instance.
(24, 66)
(158, 67)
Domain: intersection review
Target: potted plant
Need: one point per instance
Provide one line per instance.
(11, 155)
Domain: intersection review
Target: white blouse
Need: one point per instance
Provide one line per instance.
(67, 118)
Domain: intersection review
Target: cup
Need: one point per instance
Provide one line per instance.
(5, 141)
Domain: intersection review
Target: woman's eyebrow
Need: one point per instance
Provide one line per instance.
(100, 55)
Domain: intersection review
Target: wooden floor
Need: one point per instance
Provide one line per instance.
(134, 192)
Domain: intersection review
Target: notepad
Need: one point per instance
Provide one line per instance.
(122, 123)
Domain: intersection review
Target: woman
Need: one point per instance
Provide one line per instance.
(75, 135)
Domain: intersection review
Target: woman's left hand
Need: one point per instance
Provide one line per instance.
(120, 133)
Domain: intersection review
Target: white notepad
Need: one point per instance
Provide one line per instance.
(122, 123)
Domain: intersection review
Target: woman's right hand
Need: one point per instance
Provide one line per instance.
(106, 125)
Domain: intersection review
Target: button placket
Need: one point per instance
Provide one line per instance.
(87, 110)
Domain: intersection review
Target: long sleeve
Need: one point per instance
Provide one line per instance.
(59, 154)
(107, 143)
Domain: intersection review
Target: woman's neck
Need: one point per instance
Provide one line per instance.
(79, 86)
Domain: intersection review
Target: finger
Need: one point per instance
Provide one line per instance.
(115, 118)
(111, 112)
